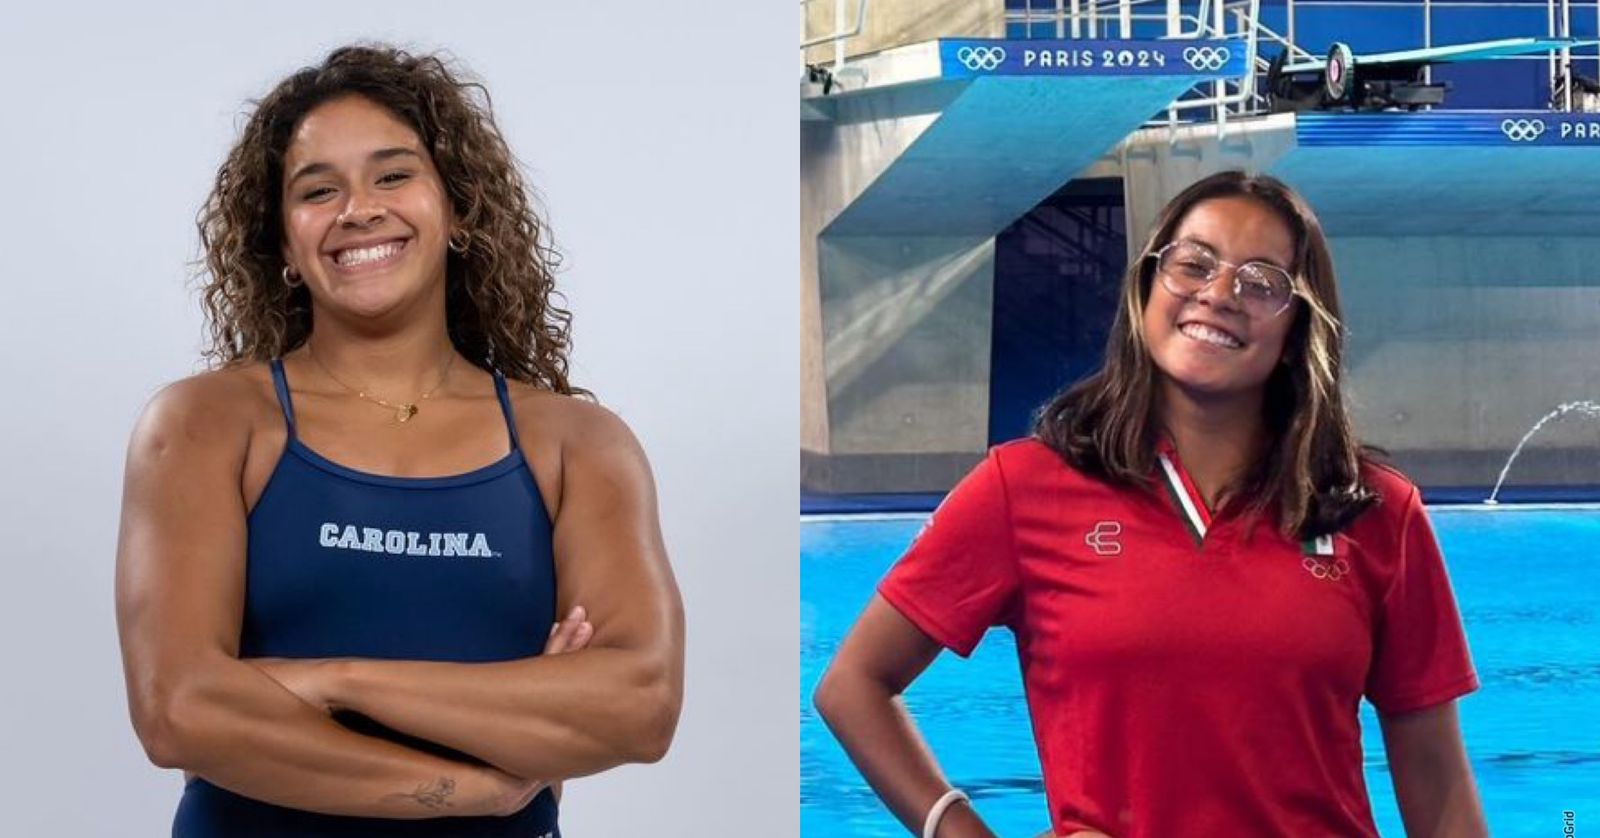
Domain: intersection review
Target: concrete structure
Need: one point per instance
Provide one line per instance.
(1463, 242)
(907, 175)
(898, 23)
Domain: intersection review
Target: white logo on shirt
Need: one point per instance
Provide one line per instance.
(403, 543)
(1103, 538)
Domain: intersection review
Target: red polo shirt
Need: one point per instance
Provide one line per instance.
(1187, 675)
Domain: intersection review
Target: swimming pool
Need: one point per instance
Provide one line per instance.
(1528, 583)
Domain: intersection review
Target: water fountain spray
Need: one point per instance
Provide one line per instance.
(1586, 408)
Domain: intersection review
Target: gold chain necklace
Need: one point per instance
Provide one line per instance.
(403, 411)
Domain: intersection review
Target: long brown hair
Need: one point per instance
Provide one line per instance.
(1105, 424)
(502, 308)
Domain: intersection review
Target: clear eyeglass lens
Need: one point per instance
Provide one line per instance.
(1192, 267)
(1187, 268)
(1263, 282)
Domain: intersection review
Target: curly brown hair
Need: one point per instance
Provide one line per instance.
(502, 308)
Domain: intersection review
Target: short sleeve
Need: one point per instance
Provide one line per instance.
(1420, 655)
(959, 577)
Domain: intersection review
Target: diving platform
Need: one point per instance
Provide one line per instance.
(1508, 173)
(960, 137)
(1502, 173)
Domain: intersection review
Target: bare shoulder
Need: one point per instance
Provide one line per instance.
(212, 412)
(571, 424)
(181, 542)
(579, 449)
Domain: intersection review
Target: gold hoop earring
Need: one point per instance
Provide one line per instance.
(289, 277)
(465, 242)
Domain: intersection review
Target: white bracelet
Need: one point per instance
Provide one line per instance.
(930, 826)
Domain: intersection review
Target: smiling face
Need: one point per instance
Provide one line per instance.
(1207, 344)
(366, 219)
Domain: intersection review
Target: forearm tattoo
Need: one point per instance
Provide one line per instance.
(432, 795)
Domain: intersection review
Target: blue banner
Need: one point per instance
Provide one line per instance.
(1445, 128)
(968, 58)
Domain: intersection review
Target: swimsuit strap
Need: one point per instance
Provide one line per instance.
(504, 395)
(281, 385)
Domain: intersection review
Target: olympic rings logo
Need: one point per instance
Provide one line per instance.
(1207, 58)
(981, 58)
(1332, 571)
(1522, 130)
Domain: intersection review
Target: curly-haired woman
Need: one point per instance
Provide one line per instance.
(345, 548)
(1204, 570)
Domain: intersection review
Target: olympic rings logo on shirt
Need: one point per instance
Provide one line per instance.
(1207, 58)
(1522, 130)
(981, 58)
(1332, 571)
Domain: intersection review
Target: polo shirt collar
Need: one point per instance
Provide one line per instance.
(1186, 497)
(1180, 487)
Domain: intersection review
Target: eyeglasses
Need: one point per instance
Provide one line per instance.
(1264, 291)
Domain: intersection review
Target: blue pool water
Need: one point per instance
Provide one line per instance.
(1528, 583)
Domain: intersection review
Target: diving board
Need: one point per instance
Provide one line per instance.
(1479, 51)
(1385, 80)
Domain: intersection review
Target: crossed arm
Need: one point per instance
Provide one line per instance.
(249, 726)
(553, 716)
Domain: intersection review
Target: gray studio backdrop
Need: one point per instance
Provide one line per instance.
(661, 136)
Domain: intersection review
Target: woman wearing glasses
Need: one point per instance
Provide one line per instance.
(342, 551)
(1204, 570)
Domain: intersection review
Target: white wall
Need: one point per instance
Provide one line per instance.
(664, 145)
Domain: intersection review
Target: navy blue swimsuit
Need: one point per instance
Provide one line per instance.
(343, 563)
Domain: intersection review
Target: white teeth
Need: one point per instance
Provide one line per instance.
(363, 255)
(1207, 334)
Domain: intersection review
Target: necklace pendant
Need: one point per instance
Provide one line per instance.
(404, 412)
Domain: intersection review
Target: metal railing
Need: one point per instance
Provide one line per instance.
(1084, 19)
(1209, 18)
(1558, 24)
(839, 35)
